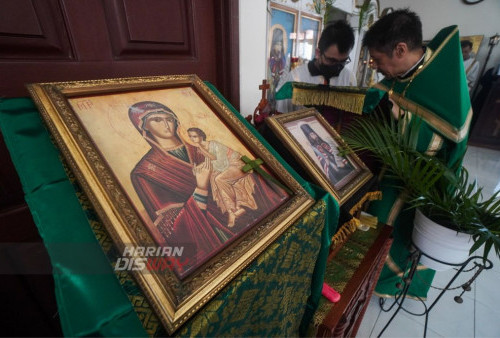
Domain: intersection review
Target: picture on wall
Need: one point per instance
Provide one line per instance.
(476, 42)
(280, 45)
(291, 40)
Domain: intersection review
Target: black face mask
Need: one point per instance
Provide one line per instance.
(328, 71)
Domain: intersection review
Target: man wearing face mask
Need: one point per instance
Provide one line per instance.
(328, 66)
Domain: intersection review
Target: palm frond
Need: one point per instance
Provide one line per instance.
(445, 195)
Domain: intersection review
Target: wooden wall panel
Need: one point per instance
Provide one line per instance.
(122, 38)
(168, 32)
(69, 40)
(11, 193)
(33, 30)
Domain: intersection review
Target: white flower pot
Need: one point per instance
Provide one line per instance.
(440, 243)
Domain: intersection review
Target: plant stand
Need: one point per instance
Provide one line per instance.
(473, 263)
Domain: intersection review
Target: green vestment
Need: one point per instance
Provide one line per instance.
(437, 92)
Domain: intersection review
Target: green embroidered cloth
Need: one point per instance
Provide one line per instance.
(341, 269)
(279, 291)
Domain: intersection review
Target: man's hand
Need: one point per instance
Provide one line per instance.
(397, 112)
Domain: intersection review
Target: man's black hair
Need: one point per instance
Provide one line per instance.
(338, 33)
(466, 43)
(398, 26)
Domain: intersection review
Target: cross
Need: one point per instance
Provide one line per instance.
(264, 86)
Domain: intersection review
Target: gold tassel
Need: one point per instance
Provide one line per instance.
(369, 196)
(345, 230)
(351, 102)
(369, 220)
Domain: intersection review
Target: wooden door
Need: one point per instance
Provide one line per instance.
(67, 40)
(57, 40)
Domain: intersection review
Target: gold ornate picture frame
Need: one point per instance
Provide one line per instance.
(476, 41)
(161, 159)
(314, 143)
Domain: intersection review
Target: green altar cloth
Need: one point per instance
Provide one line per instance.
(274, 295)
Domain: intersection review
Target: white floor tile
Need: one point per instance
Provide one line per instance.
(487, 321)
(402, 326)
(451, 319)
(495, 260)
(371, 315)
(487, 292)
(484, 165)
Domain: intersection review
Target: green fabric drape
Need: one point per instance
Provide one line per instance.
(99, 303)
(65, 231)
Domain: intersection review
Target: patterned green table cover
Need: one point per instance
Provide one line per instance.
(340, 270)
(274, 296)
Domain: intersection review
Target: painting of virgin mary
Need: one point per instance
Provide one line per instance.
(173, 183)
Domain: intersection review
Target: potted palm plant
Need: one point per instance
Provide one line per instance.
(441, 195)
(461, 215)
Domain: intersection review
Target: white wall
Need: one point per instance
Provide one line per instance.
(479, 19)
(253, 28)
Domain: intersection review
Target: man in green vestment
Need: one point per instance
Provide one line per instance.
(428, 82)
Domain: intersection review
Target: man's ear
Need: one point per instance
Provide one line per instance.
(401, 50)
(317, 53)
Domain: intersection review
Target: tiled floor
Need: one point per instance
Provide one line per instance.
(479, 314)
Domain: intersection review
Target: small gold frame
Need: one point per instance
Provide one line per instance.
(340, 176)
(476, 41)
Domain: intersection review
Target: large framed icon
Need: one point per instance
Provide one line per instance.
(189, 195)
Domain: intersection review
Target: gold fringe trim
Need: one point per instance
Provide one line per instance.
(352, 225)
(369, 196)
(345, 230)
(351, 102)
(368, 220)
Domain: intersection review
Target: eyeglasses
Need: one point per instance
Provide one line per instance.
(333, 61)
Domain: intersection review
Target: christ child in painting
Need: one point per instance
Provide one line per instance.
(231, 187)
